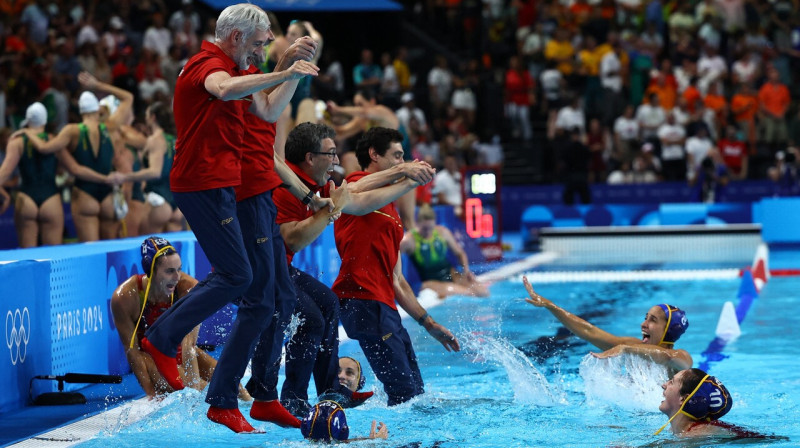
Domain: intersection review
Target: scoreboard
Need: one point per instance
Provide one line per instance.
(481, 189)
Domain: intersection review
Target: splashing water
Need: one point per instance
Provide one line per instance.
(626, 381)
(528, 384)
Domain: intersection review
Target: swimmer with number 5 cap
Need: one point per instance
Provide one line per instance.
(663, 325)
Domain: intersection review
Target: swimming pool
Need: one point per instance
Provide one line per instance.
(520, 381)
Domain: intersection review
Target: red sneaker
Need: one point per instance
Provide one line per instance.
(233, 419)
(273, 411)
(166, 365)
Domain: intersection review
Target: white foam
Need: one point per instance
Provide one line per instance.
(626, 381)
(529, 385)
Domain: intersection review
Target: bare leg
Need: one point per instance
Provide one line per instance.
(135, 218)
(108, 222)
(156, 218)
(85, 214)
(25, 214)
(51, 219)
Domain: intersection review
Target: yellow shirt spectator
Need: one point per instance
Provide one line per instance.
(561, 52)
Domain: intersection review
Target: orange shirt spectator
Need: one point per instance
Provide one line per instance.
(667, 96)
(693, 98)
(774, 98)
(717, 103)
(744, 107)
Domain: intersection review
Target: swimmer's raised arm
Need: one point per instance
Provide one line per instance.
(672, 359)
(584, 330)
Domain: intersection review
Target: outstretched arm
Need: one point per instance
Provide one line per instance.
(369, 201)
(421, 172)
(673, 359)
(405, 297)
(457, 250)
(123, 112)
(299, 234)
(584, 330)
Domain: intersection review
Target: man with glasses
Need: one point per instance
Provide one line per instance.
(314, 347)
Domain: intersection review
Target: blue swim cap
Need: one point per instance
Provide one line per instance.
(325, 422)
(153, 248)
(709, 401)
(677, 323)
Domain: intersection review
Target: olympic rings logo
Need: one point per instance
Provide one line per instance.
(18, 334)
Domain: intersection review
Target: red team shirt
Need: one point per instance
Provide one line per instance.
(209, 131)
(369, 247)
(290, 209)
(258, 155)
(733, 153)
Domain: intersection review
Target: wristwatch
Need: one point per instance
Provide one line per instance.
(307, 198)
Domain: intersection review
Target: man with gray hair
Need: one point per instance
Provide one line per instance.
(212, 96)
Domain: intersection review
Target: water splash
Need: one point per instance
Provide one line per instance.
(528, 384)
(626, 381)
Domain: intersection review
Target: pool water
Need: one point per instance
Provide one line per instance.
(522, 381)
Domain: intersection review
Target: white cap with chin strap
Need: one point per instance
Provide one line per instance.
(88, 103)
(35, 116)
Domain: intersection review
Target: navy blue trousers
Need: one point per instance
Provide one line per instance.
(314, 347)
(268, 302)
(213, 219)
(387, 346)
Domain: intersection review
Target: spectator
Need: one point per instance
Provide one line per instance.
(390, 84)
(519, 96)
(733, 150)
(367, 75)
(626, 135)
(400, 64)
(744, 108)
(711, 179)
(673, 155)
(560, 50)
(773, 102)
(570, 117)
(574, 159)
(157, 37)
(186, 13)
(447, 185)
(596, 141)
(152, 87)
(698, 147)
(746, 70)
(409, 110)
(651, 116)
(440, 86)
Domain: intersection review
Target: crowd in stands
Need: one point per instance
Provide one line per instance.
(618, 91)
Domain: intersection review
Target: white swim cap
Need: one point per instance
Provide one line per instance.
(35, 116)
(111, 103)
(88, 103)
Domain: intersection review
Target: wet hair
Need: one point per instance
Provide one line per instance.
(303, 29)
(368, 95)
(379, 139)
(425, 212)
(244, 17)
(691, 379)
(304, 138)
(163, 116)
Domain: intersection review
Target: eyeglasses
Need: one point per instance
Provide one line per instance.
(331, 154)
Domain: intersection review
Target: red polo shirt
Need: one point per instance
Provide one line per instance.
(258, 154)
(290, 209)
(368, 246)
(209, 130)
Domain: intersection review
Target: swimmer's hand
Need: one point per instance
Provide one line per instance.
(536, 299)
(442, 334)
(340, 196)
(382, 432)
(610, 353)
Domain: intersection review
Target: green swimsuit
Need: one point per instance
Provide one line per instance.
(37, 171)
(430, 257)
(102, 163)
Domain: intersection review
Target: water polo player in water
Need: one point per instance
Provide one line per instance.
(695, 401)
(662, 326)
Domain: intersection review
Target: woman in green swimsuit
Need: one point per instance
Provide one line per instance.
(38, 211)
(90, 157)
(161, 213)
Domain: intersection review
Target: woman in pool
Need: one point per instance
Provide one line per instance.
(663, 325)
(695, 401)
